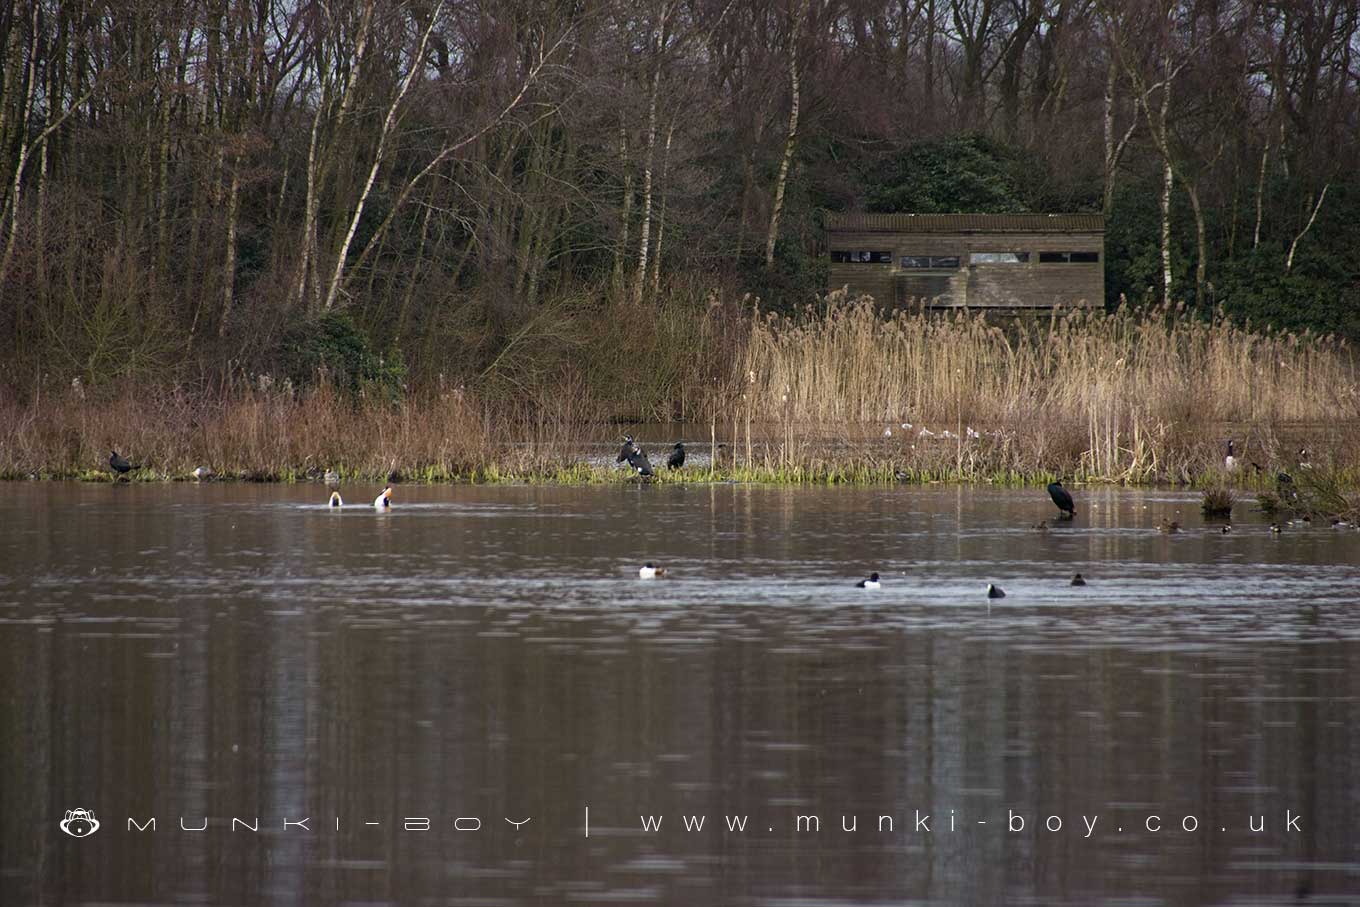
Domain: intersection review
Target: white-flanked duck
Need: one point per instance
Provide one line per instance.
(384, 500)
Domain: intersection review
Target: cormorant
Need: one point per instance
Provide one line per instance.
(677, 457)
(638, 460)
(626, 451)
(1061, 497)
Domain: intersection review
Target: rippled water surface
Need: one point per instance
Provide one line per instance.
(414, 685)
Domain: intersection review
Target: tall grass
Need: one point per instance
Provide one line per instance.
(1125, 395)
(819, 397)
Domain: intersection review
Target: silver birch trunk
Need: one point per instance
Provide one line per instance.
(789, 144)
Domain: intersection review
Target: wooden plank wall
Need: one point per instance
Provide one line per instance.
(1029, 285)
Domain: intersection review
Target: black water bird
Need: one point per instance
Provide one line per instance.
(637, 459)
(120, 464)
(1078, 581)
(870, 583)
(995, 591)
(677, 457)
(627, 450)
(1062, 498)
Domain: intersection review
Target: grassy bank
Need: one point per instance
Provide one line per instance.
(839, 394)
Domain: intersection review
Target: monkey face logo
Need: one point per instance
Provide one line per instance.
(79, 823)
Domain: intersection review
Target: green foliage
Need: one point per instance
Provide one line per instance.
(966, 173)
(331, 348)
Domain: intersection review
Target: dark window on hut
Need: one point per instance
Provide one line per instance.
(999, 258)
(846, 257)
(929, 262)
(1069, 257)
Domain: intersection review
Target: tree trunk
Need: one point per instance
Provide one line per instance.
(661, 218)
(229, 268)
(644, 231)
(1201, 244)
(1293, 247)
(626, 209)
(795, 30)
(1167, 180)
(417, 63)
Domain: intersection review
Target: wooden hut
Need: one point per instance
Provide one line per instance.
(1010, 263)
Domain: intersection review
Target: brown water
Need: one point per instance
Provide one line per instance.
(483, 654)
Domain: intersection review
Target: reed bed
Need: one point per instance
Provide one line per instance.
(841, 393)
(1124, 396)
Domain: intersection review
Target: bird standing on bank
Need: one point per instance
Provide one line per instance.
(627, 450)
(119, 464)
(1230, 461)
(384, 500)
(1062, 498)
(677, 457)
(332, 479)
(637, 459)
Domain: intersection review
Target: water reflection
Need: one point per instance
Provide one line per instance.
(222, 651)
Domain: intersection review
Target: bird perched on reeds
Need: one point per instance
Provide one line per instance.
(677, 457)
(1230, 461)
(332, 479)
(335, 500)
(650, 571)
(384, 500)
(626, 450)
(637, 458)
(1078, 581)
(1062, 498)
(995, 591)
(870, 583)
(119, 463)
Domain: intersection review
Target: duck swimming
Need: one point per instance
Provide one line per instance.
(1170, 527)
(1078, 581)
(335, 500)
(870, 583)
(384, 500)
(650, 571)
(995, 591)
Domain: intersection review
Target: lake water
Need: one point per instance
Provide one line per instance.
(483, 656)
